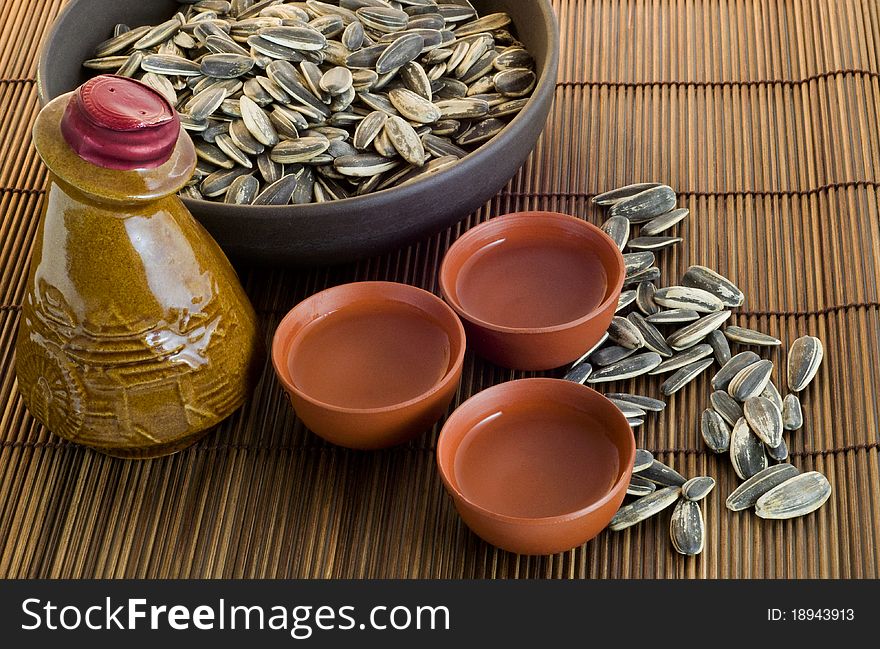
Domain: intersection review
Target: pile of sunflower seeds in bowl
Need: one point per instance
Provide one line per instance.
(747, 415)
(300, 102)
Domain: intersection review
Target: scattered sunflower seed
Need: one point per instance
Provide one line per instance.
(635, 262)
(751, 381)
(715, 431)
(640, 487)
(747, 494)
(792, 413)
(681, 359)
(664, 222)
(747, 453)
(720, 346)
(629, 410)
(698, 488)
(610, 354)
(646, 204)
(579, 373)
(662, 474)
(764, 419)
(686, 528)
(644, 508)
(715, 283)
(651, 337)
(726, 406)
(626, 298)
(721, 380)
(745, 336)
(797, 496)
(643, 460)
(674, 316)
(652, 243)
(645, 403)
(684, 297)
(691, 334)
(617, 227)
(616, 195)
(778, 452)
(645, 299)
(684, 376)
(628, 368)
(625, 333)
(804, 359)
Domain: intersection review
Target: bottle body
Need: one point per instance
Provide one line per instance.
(135, 335)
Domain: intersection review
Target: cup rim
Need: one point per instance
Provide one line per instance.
(513, 220)
(488, 394)
(280, 349)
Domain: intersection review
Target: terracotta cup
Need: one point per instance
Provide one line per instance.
(370, 364)
(536, 466)
(534, 289)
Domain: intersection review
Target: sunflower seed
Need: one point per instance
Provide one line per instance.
(726, 406)
(721, 381)
(750, 337)
(226, 66)
(715, 431)
(626, 298)
(168, 65)
(804, 359)
(692, 333)
(770, 392)
(797, 496)
(270, 170)
(627, 368)
(217, 183)
(681, 359)
(480, 131)
(652, 338)
(645, 299)
(382, 18)
(634, 422)
(224, 45)
(212, 154)
(640, 487)
(258, 122)
(644, 508)
(278, 193)
(579, 373)
(507, 108)
(651, 274)
(296, 38)
(645, 205)
(363, 165)
(615, 195)
(683, 297)
(225, 144)
(662, 474)
(302, 149)
(778, 452)
(243, 190)
(121, 42)
(629, 410)
(592, 349)
(439, 146)
(160, 33)
(414, 107)
(637, 261)
(698, 488)
(401, 51)
(684, 376)
(720, 346)
(643, 460)
(462, 108)
(625, 333)
(747, 494)
(750, 382)
(611, 354)
(645, 403)
(686, 528)
(205, 103)
(746, 451)
(242, 138)
(764, 419)
(162, 85)
(514, 82)
(663, 222)
(674, 316)
(488, 23)
(131, 66)
(792, 413)
(405, 140)
(708, 280)
(617, 228)
(652, 243)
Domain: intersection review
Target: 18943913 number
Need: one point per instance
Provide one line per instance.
(811, 615)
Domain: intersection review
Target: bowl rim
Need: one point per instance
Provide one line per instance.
(280, 350)
(487, 395)
(546, 84)
(513, 220)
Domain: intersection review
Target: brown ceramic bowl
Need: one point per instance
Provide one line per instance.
(370, 364)
(535, 289)
(536, 466)
(343, 230)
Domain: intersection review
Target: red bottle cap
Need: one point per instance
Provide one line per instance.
(120, 123)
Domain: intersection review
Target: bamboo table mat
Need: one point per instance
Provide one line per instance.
(762, 114)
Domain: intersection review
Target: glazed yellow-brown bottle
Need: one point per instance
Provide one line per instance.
(135, 336)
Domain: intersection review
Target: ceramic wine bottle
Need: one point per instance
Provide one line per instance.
(135, 335)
